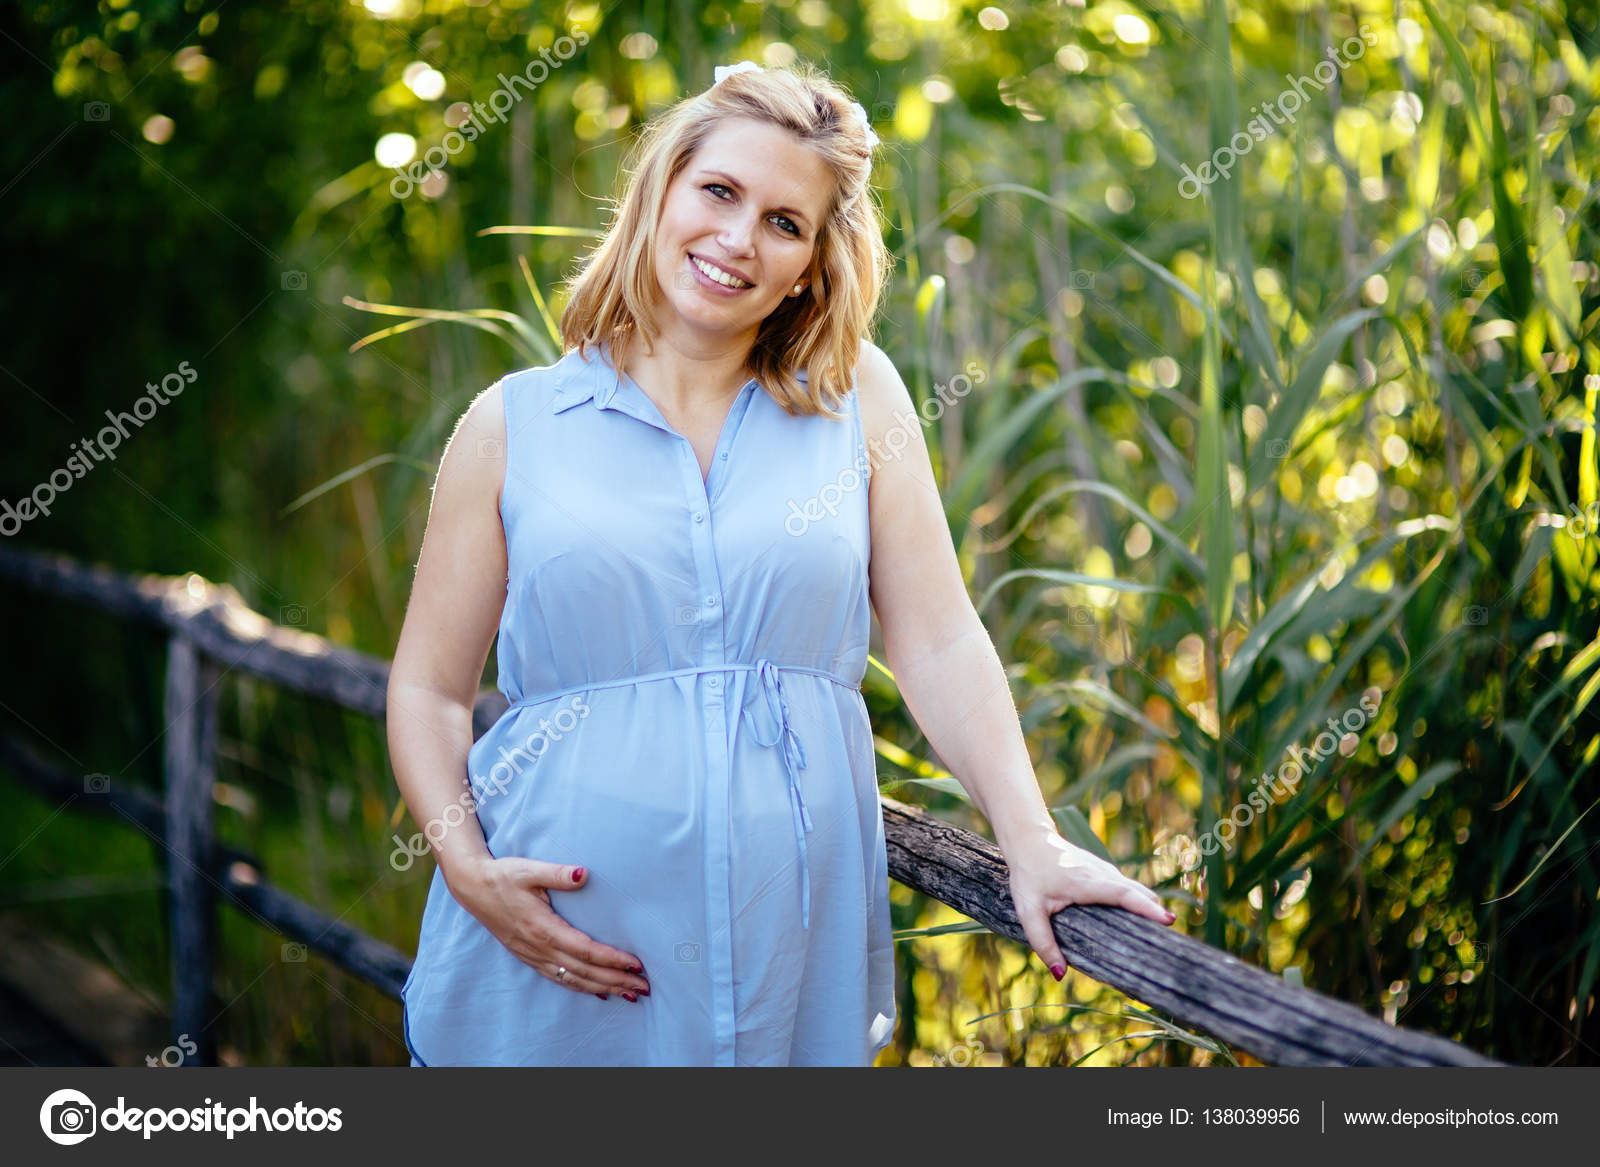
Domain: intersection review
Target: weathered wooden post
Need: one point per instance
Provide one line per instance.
(191, 716)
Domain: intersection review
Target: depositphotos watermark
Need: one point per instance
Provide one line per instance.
(969, 1053)
(896, 439)
(101, 447)
(406, 852)
(70, 1116)
(500, 103)
(181, 1052)
(1271, 788)
(1584, 522)
(1288, 103)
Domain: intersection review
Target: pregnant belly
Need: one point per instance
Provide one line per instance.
(597, 799)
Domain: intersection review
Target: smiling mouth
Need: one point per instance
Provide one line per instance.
(717, 275)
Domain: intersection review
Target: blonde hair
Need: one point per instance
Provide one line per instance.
(820, 330)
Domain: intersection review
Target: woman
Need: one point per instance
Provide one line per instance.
(670, 850)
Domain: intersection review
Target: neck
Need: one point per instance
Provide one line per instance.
(684, 379)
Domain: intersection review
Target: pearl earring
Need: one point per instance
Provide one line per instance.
(797, 289)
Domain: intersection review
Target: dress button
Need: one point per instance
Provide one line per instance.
(711, 601)
(714, 682)
(699, 516)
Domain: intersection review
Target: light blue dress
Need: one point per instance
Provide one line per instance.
(684, 660)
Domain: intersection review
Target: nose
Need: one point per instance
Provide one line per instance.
(736, 234)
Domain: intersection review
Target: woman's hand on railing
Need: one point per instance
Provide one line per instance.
(1047, 873)
(508, 897)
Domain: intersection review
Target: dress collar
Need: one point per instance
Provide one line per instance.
(594, 378)
(584, 379)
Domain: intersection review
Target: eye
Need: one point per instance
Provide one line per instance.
(789, 227)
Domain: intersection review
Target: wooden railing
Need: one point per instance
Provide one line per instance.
(209, 628)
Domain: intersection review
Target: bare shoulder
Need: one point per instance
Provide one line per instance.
(882, 393)
(460, 587)
(484, 418)
(475, 455)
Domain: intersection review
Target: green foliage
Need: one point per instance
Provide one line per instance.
(1321, 433)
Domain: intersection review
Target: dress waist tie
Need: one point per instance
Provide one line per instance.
(770, 676)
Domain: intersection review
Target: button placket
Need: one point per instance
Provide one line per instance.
(700, 491)
(717, 946)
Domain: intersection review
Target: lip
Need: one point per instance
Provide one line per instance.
(732, 271)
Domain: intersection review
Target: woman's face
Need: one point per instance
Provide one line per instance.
(748, 202)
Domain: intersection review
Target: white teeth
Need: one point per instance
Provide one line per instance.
(716, 273)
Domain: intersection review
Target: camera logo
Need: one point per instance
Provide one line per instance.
(67, 1117)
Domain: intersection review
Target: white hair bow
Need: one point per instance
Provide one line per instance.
(721, 72)
(866, 126)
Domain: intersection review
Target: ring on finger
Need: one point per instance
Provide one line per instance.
(561, 972)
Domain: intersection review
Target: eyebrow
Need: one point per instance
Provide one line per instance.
(792, 212)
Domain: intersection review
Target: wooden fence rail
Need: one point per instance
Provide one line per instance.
(212, 631)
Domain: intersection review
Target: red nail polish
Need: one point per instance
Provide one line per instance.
(602, 996)
(636, 968)
(630, 997)
(577, 875)
(1057, 971)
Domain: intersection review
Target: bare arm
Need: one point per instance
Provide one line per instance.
(456, 602)
(939, 651)
(951, 677)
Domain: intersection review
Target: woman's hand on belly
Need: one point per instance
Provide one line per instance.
(511, 898)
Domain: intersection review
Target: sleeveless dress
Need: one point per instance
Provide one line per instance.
(683, 659)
